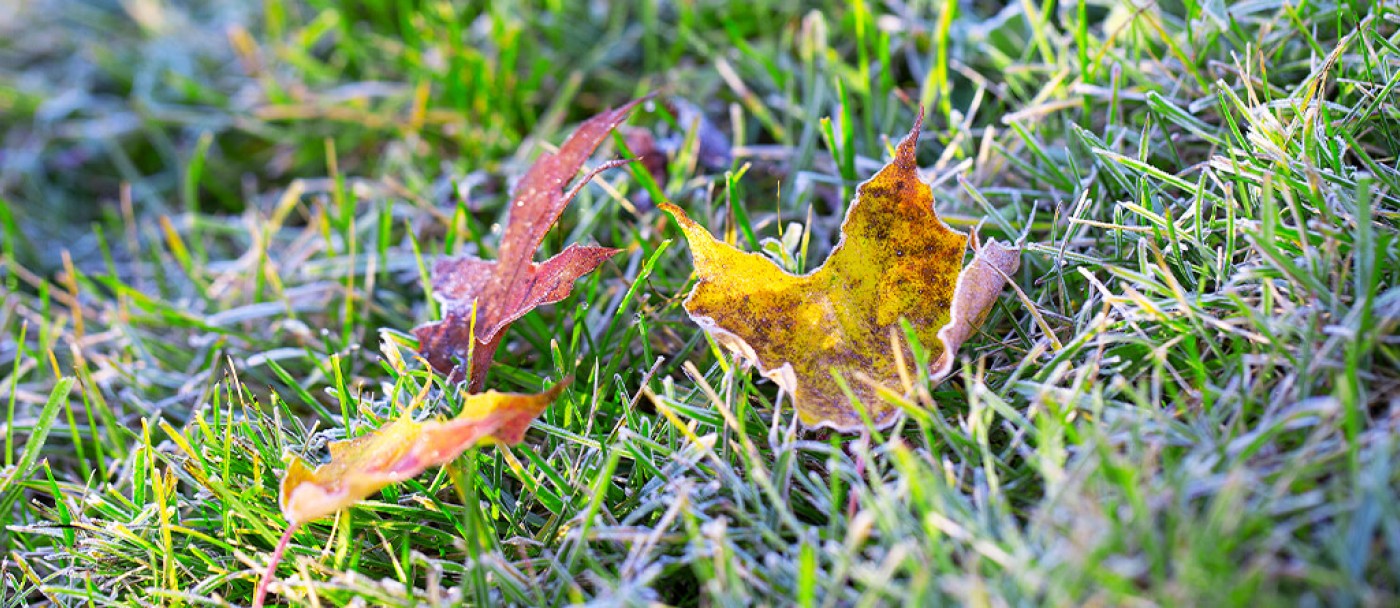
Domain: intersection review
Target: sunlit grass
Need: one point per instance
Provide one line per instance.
(1192, 400)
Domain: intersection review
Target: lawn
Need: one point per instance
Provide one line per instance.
(217, 222)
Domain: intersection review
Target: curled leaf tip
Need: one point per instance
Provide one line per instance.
(904, 156)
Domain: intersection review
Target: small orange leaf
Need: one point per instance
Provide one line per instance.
(895, 261)
(362, 466)
(401, 450)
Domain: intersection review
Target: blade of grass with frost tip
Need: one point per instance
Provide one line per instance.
(11, 489)
(15, 373)
(301, 392)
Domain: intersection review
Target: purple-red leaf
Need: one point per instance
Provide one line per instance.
(499, 292)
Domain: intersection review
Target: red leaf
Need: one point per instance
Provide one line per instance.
(504, 290)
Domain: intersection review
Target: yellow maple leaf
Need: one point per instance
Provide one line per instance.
(895, 260)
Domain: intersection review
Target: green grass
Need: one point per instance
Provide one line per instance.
(216, 223)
